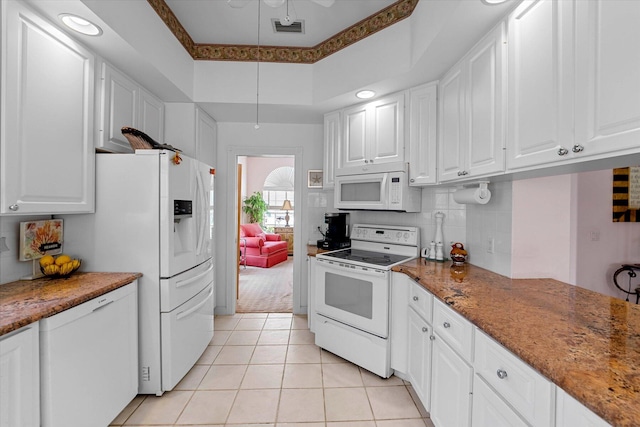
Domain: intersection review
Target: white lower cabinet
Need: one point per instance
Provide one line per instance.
(489, 410)
(528, 392)
(20, 378)
(311, 302)
(450, 387)
(570, 413)
(419, 360)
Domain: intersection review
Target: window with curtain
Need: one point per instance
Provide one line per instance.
(278, 187)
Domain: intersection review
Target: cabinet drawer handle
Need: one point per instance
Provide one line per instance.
(502, 374)
(416, 298)
(562, 151)
(446, 324)
(366, 161)
(14, 208)
(425, 329)
(577, 148)
(463, 173)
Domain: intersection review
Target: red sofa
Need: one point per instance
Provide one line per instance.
(261, 249)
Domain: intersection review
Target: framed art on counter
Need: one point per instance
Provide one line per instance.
(314, 179)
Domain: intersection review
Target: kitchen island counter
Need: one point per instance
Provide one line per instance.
(585, 342)
(25, 302)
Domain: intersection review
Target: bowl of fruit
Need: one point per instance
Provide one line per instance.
(60, 266)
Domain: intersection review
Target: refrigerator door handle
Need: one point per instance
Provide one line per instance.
(186, 282)
(202, 218)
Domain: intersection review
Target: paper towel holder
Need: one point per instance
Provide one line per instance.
(482, 190)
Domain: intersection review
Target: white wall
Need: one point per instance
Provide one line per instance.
(305, 142)
(542, 217)
(258, 168)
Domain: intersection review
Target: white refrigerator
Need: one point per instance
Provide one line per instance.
(154, 215)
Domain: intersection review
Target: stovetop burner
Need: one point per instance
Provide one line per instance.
(367, 257)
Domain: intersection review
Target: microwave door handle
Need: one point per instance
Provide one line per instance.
(384, 188)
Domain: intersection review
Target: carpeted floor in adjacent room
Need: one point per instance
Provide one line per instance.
(266, 290)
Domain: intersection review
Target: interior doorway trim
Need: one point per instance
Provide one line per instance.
(299, 224)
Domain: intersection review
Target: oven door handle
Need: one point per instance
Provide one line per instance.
(340, 267)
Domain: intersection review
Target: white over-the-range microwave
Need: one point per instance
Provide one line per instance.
(385, 191)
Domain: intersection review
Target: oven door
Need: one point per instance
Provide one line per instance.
(353, 295)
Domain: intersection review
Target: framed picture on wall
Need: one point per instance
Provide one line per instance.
(626, 194)
(314, 179)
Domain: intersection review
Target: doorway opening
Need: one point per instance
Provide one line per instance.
(264, 279)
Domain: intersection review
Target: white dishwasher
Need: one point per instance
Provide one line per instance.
(89, 360)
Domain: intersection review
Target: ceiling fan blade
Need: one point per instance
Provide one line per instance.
(238, 4)
(325, 3)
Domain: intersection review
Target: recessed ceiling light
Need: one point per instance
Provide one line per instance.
(493, 2)
(80, 25)
(365, 94)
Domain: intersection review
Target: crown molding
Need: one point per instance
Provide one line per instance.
(296, 55)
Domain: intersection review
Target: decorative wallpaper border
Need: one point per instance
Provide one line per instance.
(298, 55)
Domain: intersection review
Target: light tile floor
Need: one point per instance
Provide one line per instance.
(264, 370)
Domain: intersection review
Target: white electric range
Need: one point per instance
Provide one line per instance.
(352, 291)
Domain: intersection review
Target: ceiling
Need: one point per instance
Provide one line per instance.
(215, 22)
(439, 31)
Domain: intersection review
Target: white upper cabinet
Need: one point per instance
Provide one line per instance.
(192, 130)
(540, 125)
(372, 137)
(331, 143)
(423, 105)
(574, 80)
(124, 102)
(607, 77)
(47, 117)
(151, 115)
(206, 138)
(472, 112)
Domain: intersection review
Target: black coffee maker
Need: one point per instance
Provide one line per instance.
(337, 234)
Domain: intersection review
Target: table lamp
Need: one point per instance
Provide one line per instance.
(286, 206)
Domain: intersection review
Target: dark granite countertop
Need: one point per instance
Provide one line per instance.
(25, 302)
(585, 342)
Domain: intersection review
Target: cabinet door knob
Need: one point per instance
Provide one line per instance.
(425, 329)
(577, 148)
(412, 180)
(366, 161)
(562, 151)
(14, 208)
(416, 298)
(502, 374)
(432, 337)
(446, 324)
(371, 161)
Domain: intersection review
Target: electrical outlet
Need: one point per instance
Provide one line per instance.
(491, 245)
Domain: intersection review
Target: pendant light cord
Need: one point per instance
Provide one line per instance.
(258, 73)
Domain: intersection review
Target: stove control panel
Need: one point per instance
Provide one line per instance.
(386, 234)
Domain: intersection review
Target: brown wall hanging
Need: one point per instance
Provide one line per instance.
(626, 194)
